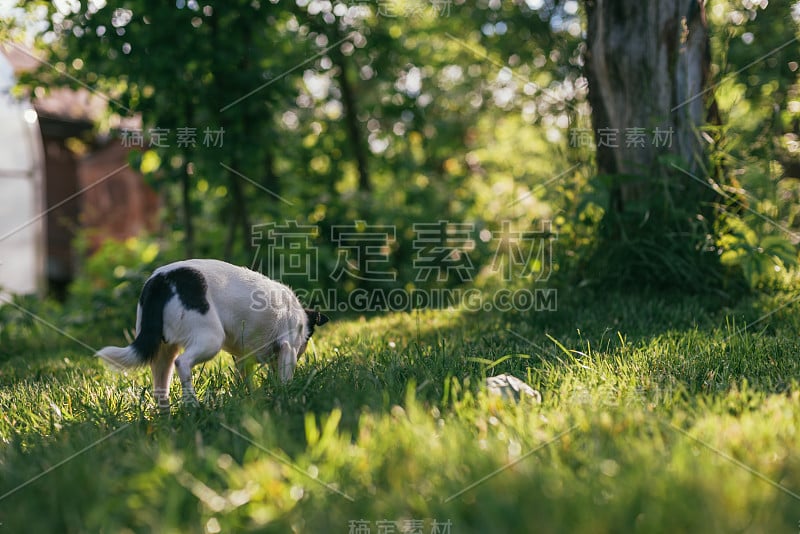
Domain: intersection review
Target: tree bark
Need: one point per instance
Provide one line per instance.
(647, 66)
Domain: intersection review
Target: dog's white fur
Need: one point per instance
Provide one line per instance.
(276, 332)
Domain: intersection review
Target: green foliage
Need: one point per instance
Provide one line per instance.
(756, 96)
(451, 125)
(758, 258)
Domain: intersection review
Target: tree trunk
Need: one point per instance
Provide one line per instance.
(647, 65)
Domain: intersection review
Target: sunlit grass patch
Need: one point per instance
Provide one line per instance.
(656, 416)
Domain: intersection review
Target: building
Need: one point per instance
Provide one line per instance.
(63, 180)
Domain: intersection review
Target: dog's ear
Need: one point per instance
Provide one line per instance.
(316, 318)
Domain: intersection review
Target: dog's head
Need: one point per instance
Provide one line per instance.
(315, 318)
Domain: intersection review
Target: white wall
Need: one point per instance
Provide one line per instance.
(22, 230)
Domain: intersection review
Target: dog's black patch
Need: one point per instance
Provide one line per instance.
(315, 318)
(155, 295)
(191, 287)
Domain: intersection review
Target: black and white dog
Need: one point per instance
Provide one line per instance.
(204, 306)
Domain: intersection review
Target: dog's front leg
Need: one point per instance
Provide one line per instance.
(287, 361)
(191, 356)
(184, 368)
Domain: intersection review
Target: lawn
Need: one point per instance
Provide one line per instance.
(660, 413)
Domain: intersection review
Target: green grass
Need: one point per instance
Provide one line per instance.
(660, 414)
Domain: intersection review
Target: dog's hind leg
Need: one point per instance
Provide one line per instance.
(162, 366)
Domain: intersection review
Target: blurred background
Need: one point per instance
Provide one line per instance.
(138, 132)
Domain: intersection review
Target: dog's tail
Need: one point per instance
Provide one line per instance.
(121, 358)
(155, 295)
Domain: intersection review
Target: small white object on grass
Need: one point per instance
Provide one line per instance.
(510, 387)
